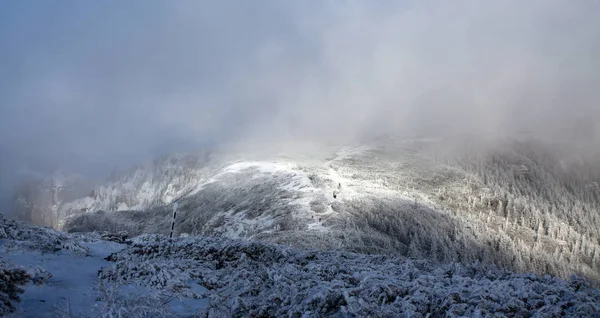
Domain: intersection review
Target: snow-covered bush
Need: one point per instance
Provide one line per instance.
(18, 235)
(128, 301)
(115, 301)
(250, 279)
(11, 280)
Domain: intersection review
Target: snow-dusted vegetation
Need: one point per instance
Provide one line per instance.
(411, 203)
(154, 276)
(49, 200)
(253, 279)
(300, 159)
(18, 236)
(413, 199)
(44, 273)
(11, 280)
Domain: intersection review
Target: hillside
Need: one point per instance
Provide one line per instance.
(521, 205)
(44, 273)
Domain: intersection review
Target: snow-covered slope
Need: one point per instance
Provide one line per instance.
(251, 279)
(44, 273)
(145, 186)
(403, 197)
(189, 179)
(234, 197)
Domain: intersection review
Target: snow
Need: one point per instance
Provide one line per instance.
(265, 167)
(349, 152)
(186, 306)
(73, 278)
(65, 269)
(166, 181)
(298, 182)
(154, 276)
(200, 186)
(159, 182)
(238, 224)
(288, 200)
(237, 167)
(256, 279)
(101, 249)
(317, 226)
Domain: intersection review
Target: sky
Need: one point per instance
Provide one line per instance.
(89, 85)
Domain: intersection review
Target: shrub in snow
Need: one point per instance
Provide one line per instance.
(18, 235)
(11, 280)
(119, 237)
(119, 302)
(250, 279)
(38, 275)
(116, 301)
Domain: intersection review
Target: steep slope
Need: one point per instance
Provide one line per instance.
(145, 186)
(407, 197)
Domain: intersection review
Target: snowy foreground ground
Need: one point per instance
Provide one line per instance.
(153, 276)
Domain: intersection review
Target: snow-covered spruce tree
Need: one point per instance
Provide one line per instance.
(11, 280)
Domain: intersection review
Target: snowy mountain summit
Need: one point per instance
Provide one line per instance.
(399, 227)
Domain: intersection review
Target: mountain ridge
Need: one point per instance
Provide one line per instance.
(408, 197)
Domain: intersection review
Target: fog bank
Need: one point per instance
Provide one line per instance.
(91, 85)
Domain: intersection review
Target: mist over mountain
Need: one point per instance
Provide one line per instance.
(449, 133)
(521, 204)
(93, 86)
(409, 217)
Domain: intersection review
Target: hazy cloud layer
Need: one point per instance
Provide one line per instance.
(98, 83)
